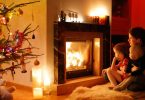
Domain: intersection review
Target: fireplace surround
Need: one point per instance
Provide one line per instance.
(80, 35)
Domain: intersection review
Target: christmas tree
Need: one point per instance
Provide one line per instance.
(11, 50)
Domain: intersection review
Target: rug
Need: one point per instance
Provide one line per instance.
(102, 92)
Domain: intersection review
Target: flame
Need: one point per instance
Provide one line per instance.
(73, 58)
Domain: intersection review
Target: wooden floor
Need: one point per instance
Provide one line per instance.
(25, 93)
(21, 94)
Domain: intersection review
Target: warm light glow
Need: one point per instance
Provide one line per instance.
(96, 55)
(77, 55)
(46, 79)
(37, 76)
(99, 11)
(78, 20)
(11, 33)
(73, 58)
(37, 93)
(97, 43)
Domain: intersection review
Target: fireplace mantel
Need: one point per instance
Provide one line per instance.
(79, 27)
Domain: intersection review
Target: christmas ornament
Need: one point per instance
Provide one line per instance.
(20, 11)
(36, 62)
(33, 36)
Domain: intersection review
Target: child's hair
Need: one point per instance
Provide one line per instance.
(135, 52)
(122, 47)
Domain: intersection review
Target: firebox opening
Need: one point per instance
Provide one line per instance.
(82, 57)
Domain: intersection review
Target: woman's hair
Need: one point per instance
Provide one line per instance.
(138, 33)
(135, 52)
(122, 47)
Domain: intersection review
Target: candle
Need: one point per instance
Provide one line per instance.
(46, 81)
(46, 89)
(37, 77)
(37, 81)
(37, 93)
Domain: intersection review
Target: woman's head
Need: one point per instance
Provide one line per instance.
(121, 50)
(137, 36)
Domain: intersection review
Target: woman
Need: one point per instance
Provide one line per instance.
(137, 57)
(137, 37)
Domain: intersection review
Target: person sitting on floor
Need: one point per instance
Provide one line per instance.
(136, 67)
(116, 73)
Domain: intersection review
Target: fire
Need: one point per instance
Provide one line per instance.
(74, 57)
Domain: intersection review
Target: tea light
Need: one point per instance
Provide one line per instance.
(37, 93)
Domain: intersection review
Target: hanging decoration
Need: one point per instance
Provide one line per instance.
(11, 44)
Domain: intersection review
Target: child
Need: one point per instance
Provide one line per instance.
(136, 66)
(116, 73)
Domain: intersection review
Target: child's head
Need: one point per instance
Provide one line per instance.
(135, 52)
(121, 50)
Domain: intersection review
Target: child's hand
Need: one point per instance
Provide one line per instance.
(134, 68)
(114, 59)
(127, 75)
(113, 67)
(104, 71)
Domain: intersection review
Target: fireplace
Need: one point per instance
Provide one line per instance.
(80, 56)
(80, 50)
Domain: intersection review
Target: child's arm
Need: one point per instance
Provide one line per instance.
(136, 70)
(113, 65)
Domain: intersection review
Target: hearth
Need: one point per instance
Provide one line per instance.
(80, 50)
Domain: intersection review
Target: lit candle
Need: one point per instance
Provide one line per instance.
(37, 77)
(37, 81)
(37, 93)
(46, 81)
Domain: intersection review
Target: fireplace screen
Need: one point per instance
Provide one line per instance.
(81, 57)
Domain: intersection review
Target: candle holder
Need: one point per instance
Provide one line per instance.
(37, 93)
(95, 19)
(103, 20)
